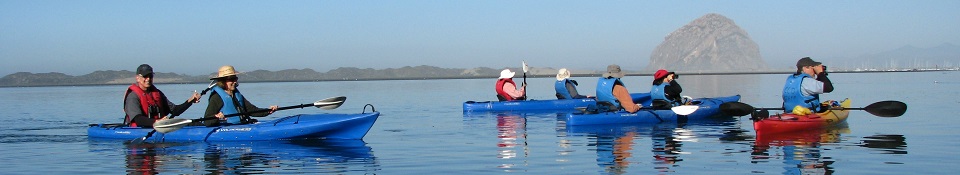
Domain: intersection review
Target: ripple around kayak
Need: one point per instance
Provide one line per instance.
(303, 126)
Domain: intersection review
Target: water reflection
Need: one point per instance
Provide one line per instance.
(888, 144)
(801, 151)
(296, 156)
(511, 132)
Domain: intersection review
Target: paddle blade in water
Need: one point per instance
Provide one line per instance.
(736, 109)
(887, 108)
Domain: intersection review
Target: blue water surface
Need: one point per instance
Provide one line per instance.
(423, 130)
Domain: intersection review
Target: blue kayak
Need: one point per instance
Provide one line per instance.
(708, 107)
(303, 126)
(539, 105)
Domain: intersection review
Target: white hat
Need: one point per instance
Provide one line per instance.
(563, 74)
(506, 73)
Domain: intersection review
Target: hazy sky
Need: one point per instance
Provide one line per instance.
(196, 37)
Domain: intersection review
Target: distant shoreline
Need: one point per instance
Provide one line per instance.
(493, 77)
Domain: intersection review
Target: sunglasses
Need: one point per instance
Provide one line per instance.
(232, 78)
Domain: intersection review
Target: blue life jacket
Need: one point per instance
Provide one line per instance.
(561, 87)
(657, 92)
(605, 90)
(793, 96)
(228, 107)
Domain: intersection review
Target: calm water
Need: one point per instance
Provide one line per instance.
(423, 130)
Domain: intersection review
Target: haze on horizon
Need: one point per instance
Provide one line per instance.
(196, 37)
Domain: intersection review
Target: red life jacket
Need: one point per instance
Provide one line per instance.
(147, 99)
(500, 91)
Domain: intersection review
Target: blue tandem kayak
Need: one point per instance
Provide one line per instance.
(708, 107)
(539, 105)
(303, 126)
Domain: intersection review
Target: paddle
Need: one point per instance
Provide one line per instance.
(679, 110)
(525, 69)
(170, 125)
(212, 83)
(880, 109)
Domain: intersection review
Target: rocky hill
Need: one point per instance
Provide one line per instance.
(711, 43)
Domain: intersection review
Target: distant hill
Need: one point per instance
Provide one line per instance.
(711, 43)
(340, 74)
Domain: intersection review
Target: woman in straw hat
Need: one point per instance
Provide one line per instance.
(566, 88)
(226, 99)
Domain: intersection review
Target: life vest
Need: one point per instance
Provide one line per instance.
(561, 87)
(658, 92)
(501, 92)
(154, 99)
(793, 96)
(605, 90)
(228, 104)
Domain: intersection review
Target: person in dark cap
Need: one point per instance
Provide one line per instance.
(144, 104)
(803, 88)
(611, 90)
(665, 91)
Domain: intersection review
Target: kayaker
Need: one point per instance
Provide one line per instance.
(507, 89)
(803, 88)
(611, 90)
(226, 99)
(566, 87)
(144, 104)
(665, 91)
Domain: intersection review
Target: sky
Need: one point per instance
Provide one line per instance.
(78, 37)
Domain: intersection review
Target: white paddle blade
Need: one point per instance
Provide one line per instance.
(525, 67)
(330, 103)
(685, 109)
(170, 125)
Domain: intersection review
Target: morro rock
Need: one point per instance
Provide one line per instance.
(712, 43)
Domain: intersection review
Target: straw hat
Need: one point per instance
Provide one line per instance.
(225, 71)
(563, 74)
(506, 73)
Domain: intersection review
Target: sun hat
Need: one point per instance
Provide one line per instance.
(563, 73)
(506, 73)
(613, 70)
(144, 70)
(225, 71)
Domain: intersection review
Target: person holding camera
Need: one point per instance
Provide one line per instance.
(144, 104)
(665, 91)
(803, 88)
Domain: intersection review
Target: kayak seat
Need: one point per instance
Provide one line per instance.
(607, 106)
(501, 98)
(560, 97)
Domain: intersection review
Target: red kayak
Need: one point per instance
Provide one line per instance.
(781, 123)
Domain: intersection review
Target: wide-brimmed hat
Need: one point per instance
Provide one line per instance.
(225, 71)
(806, 61)
(506, 73)
(563, 73)
(613, 70)
(661, 74)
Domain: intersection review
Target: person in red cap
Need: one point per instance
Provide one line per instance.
(665, 91)
(144, 104)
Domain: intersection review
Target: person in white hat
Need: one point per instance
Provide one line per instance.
(611, 90)
(226, 99)
(566, 88)
(507, 89)
(144, 104)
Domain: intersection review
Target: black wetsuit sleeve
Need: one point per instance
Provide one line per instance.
(131, 106)
(213, 107)
(250, 107)
(176, 110)
(673, 91)
(827, 85)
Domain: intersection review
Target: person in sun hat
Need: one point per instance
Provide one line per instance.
(803, 89)
(665, 91)
(226, 99)
(144, 104)
(566, 88)
(611, 90)
(507, 89)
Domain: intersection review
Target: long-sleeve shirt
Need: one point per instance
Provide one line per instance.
(626, 101)
(216, 103)
(511, 90)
